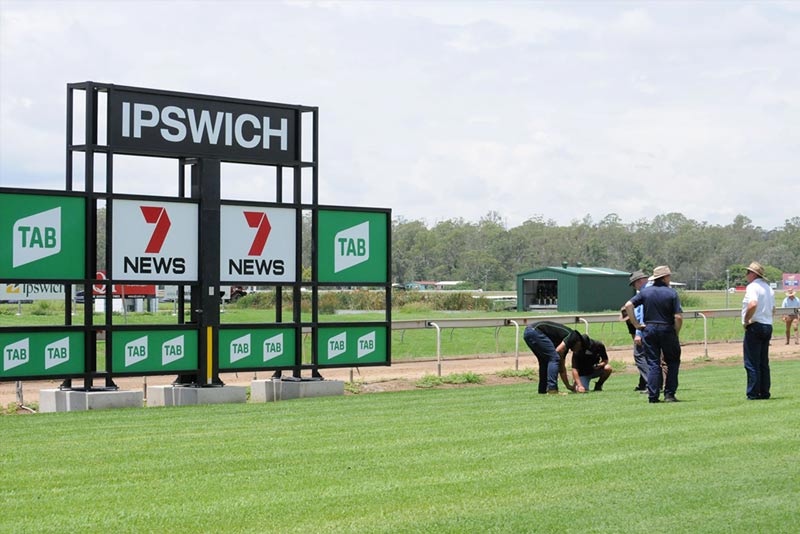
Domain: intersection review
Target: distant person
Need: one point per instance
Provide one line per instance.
(638, 280)
(758, 306)
(663, 318)
(791, 301)
(590, 362)
(550, 342)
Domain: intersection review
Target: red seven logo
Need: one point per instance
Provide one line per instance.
(258, 219)
(156, 215)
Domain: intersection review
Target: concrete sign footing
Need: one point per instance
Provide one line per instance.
(276, 390)
(57, 400)
(188, 396)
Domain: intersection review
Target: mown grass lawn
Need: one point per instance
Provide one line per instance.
(477, 459)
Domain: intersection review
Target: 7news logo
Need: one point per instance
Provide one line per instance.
(255, 264)
(157, 264)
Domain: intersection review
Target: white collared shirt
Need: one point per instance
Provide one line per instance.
(760, 291)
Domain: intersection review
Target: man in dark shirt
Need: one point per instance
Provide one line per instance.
(550, 342)
(588, 363)
(662, 323)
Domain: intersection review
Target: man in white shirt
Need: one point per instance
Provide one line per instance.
(791, 301)
(758, 306)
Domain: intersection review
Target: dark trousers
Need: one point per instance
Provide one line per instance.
(661, 339)
(549, 359)
(756, 360)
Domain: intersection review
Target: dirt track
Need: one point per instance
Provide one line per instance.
(402, 375)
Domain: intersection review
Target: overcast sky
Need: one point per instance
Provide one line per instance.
(442, 110)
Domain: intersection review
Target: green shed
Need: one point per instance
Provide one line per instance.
(573, 289)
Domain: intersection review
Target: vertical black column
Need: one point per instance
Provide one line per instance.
(207, 177)
(206, 297)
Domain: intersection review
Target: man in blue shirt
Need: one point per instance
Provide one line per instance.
(662, 323)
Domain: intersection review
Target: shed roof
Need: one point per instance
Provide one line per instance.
(578, 271)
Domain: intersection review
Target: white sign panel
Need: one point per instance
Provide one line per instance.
(257, 245)
(154, 240)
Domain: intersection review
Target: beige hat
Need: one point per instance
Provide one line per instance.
(660, 272)
(757, 269)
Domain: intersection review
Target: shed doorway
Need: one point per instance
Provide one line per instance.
(540, 294)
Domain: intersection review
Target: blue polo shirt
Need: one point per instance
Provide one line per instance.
(660, 302)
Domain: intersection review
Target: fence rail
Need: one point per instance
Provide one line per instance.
(517, 322)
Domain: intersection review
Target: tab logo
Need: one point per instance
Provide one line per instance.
(337, 345)
(351, 247)
(366, 344)
(273, 347)
(172, 350)
(56, 353)
(136, 351)
(240, 348)
(16, 354)
(36, 236)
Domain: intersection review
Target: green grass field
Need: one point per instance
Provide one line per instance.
(480, 459)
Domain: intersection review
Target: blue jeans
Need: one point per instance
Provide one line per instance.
(756, 360)
(549, 359)
(660, 339)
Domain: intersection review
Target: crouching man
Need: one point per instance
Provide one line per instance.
(588, 363)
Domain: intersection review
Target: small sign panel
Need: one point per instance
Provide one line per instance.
(256, 348)
(42, 236)
(257, 245)
(352, 346)
(154, 240)
(136, 351)
(42, 354)
(352, 246)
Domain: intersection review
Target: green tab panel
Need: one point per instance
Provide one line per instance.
(351, 345)
(42, 354)
(352, 246)
(252, 348)
(41, 236)
(136, 351)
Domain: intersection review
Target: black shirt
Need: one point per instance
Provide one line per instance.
(585, 360)
(557, 333)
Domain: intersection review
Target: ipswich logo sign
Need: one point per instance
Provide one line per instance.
(258, 244)
(143, 121)
(154, 240)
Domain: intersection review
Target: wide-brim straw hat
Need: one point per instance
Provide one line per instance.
(757, 269)
(660, 272)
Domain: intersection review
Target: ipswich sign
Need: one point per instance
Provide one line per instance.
(187, 125)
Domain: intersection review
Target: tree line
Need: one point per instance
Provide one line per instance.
(486, 254)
